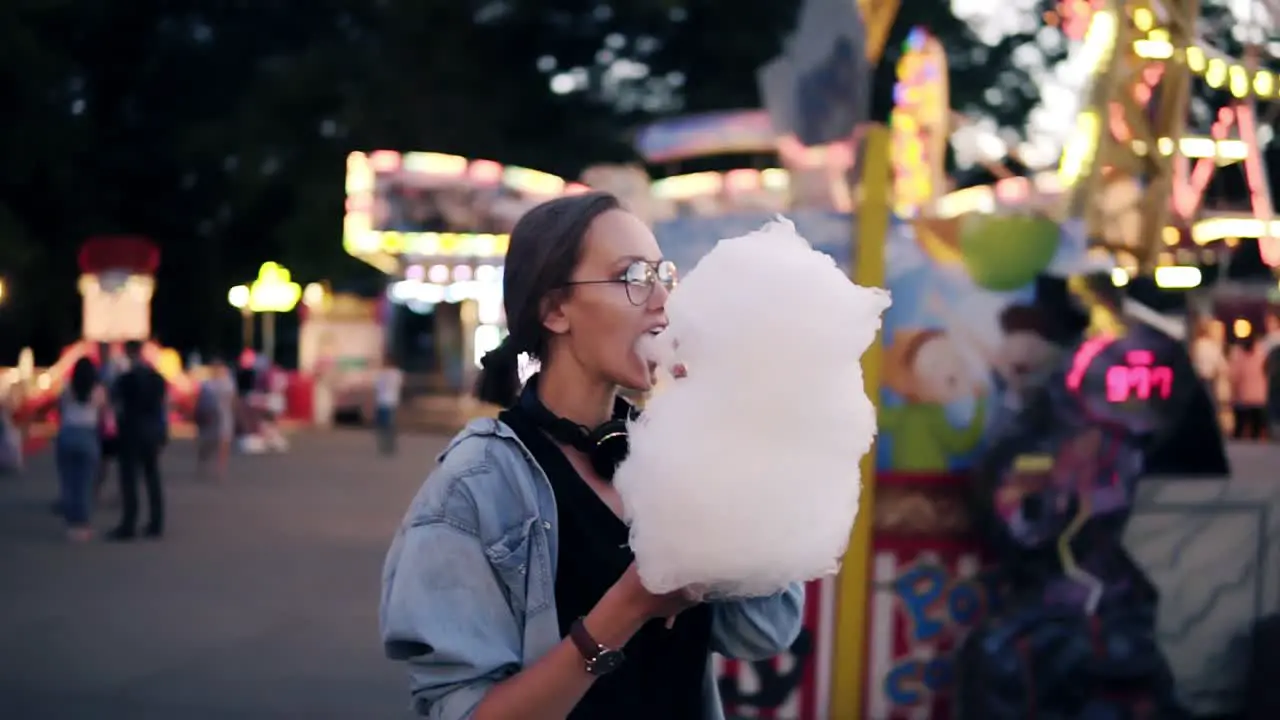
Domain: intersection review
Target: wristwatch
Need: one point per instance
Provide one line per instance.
(600, 660)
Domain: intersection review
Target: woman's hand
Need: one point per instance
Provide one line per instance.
(649, 605)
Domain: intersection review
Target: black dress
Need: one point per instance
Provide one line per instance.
(663, 675)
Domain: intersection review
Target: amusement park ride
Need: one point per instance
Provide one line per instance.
(880, 641)
(1143, 58)
(116, 284)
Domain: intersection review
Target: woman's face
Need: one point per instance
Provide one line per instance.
(596, 322)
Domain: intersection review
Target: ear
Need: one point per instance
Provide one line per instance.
(554, 318)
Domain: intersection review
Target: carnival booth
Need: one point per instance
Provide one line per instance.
(972, 337)
(437, 225)
(116, 284)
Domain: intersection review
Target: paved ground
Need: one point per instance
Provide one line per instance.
(261, 603)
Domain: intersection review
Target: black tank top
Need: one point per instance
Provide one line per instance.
(664, 671)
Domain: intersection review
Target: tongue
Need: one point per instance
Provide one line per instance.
(656, 348)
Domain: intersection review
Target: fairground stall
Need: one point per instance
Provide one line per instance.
(979, 280)
(437, 225)
(116, 284)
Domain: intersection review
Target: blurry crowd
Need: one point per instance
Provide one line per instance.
(1243, 376)
(113, 411)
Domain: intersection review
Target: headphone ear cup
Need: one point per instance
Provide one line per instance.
(610, 445)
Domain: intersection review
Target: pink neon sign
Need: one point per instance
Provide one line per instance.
(1139, 378)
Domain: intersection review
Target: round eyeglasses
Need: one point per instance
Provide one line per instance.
(640, 278)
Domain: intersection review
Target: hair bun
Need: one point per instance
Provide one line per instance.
(499, 380)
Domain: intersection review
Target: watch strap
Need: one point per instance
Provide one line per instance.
(586, 644)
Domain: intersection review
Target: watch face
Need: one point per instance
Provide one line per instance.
(606, 662)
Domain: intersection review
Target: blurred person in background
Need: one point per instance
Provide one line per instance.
(1271, 349)
(1207, 352)
(111, 366)
(1247, 371)
(142, 396)
(215, 419)
(10, 434)
(1209, 357)
(388, 385)
(83, 409)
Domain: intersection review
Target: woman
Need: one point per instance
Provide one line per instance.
(509, 590)
(215, 420)
(1247, 370)
(82, 409)
(108, 441)
(10, 437)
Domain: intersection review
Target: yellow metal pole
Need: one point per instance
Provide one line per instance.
(849, 666)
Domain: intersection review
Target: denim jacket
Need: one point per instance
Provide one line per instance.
(468, 589)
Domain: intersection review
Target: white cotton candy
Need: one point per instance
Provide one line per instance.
(743, 476)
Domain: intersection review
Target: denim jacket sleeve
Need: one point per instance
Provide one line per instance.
(758, 628)
(444, 612)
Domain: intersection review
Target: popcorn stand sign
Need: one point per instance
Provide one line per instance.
(927, 595)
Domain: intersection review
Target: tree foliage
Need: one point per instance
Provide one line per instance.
(220, 128)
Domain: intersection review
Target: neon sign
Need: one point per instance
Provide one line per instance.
(1139, 378)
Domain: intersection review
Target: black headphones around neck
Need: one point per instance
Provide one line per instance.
(605, 447)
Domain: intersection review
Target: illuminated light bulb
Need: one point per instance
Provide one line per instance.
(1119, 277)
(486, 273)
(1263, 82)
(1153, 49)
(1216, 73)
(1239, 81)
(462, 273)
(1242, 328)
(1195, 59)
(438, 274)
(1143, 19)
(1171, 235)
(313, 295)
(1177, 277)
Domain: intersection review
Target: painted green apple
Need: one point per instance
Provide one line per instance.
(1006, 252)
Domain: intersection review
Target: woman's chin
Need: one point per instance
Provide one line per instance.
(638, 380)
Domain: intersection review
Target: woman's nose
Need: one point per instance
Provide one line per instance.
(658, 298)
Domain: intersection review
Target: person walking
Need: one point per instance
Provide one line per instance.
(1249, 389)
(142, 396)
(387, 387)
(110, 366)
(215, 419)
(82, 409)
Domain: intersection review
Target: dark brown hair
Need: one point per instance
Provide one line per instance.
(545, 247)
(84, 378)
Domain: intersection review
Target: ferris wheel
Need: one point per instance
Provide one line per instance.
(1144, 58)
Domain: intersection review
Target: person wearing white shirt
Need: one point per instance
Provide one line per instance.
(1271, 363)
(1207, 351)
(387, 386)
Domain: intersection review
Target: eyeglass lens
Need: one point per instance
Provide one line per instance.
(641, 277)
